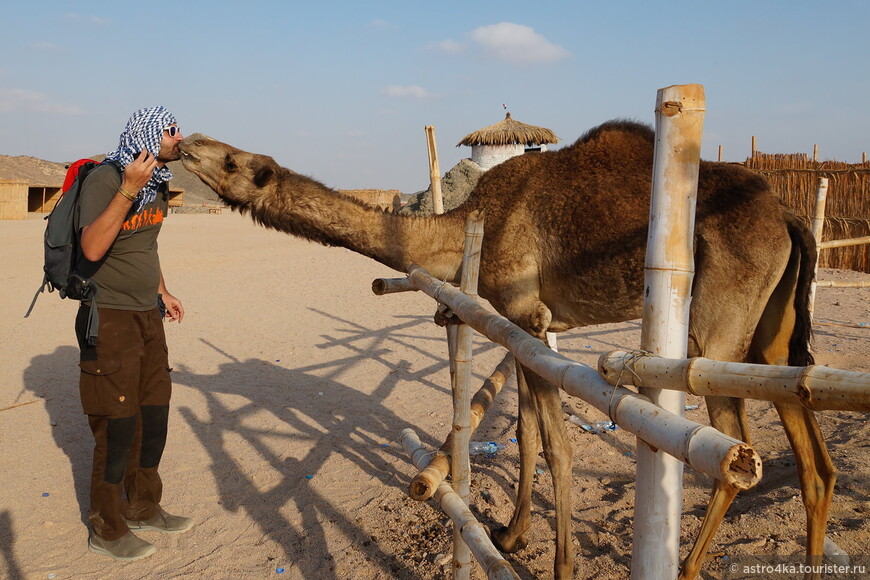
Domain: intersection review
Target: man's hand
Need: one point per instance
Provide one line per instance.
(174, 309)
(138, 172)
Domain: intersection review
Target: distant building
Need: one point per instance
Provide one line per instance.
(505, 139)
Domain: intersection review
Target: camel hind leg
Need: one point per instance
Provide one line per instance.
(816, 472)
(723, 332)
(728, 416)
(780, 337)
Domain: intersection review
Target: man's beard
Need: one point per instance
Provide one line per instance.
(173, 154)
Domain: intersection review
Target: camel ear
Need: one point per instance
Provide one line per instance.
(263, 176)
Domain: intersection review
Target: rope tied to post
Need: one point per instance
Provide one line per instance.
(628, 364)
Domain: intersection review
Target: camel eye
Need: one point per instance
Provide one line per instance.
(230, 165)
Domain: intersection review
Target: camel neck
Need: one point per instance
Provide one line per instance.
(313, 211)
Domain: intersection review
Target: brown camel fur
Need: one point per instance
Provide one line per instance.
(564, 247)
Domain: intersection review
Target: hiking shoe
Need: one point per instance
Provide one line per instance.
(126, 548)
(162, 522)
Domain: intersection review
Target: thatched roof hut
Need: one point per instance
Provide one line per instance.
(509, 132)
(505, 139)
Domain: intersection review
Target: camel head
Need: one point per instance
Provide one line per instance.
(239, 178)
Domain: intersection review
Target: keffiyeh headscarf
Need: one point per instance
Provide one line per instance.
(144, 130)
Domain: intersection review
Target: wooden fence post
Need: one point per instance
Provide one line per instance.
(460, 466)
(818, 227)
(669, 271)
(434, 171)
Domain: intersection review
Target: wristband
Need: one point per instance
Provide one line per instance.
(126, 194)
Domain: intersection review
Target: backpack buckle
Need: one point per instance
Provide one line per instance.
(79, 288)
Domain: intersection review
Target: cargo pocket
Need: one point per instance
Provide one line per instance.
(100, 390)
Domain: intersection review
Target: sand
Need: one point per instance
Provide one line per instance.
(292, 384)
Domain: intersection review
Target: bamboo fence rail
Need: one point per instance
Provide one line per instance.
(425, 483)
(816, 387)
(732, 462)
(473, 533)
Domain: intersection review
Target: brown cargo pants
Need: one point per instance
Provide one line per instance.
(125, 389)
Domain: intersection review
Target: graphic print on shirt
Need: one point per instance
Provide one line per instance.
(149, 217)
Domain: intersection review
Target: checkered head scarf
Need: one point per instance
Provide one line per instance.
(144, 130)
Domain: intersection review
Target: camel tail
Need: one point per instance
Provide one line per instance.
(799, 345)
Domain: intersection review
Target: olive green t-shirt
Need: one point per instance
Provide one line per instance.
(128, 276)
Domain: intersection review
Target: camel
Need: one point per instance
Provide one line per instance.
(564, 247)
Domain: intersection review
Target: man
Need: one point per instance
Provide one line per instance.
(124, 383)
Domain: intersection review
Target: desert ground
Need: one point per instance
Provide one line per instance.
(292, 383)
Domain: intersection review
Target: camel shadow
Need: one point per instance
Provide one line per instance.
(54, 378)
(302, 414)
(315, 415)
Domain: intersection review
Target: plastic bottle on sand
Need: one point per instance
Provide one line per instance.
(484, 447)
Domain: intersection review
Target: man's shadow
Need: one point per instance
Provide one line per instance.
(7, 541)
(55, 378)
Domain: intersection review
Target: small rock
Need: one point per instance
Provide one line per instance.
(442, 559)
(489, 498)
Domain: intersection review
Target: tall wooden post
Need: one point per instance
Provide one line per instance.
(460, 466)
(669, 271)
(818, 228)
(434, 171)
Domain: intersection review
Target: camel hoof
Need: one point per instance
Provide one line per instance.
(501, 538)
(565, 572)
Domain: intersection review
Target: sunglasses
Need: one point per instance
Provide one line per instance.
(173, 130)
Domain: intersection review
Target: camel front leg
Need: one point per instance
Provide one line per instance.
(816, 472)
(558, 454)
(512, 538)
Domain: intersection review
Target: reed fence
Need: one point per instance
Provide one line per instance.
(796, 176)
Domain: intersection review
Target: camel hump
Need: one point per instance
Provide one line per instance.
(625, 126)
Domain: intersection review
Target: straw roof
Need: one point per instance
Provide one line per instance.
(509, 132)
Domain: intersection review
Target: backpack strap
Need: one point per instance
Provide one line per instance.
(93, 290)
(93, 322)
(38, 292)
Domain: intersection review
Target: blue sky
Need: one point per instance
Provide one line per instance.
(341, 91)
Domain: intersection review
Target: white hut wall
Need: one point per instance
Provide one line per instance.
(488, 156)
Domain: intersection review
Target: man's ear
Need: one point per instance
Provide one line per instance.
(263, 176)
